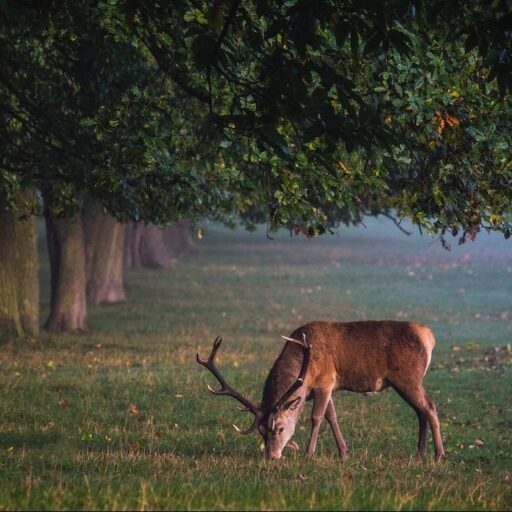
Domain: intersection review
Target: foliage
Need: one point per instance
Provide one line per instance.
(82, 114)
(304, 113)
(304, 81)
(455, 140)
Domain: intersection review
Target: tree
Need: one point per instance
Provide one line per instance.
(68, 307)
(146, 247)
(19, 284)
(104, 240)
(80, 119)
(306, 113)
(296, 80)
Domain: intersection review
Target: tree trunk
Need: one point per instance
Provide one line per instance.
(104, 245)
(67, 263)
(146, 247)
(19, 280)
(132, 241)
(179, 238)
(153, 251)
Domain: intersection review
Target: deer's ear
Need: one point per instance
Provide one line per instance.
(292, 404)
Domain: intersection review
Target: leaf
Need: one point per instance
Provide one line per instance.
(342, 166)
(372, 42)
(217, 13)
(452, 120)
(341, 33)
(202, 49)
(399, 40)
(354, 42)
(261, 7)
(133, 410)
(471, 40)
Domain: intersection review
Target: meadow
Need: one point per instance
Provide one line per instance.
(119, 417)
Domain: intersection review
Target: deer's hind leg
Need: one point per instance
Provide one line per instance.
(330, 416)
(425, 409)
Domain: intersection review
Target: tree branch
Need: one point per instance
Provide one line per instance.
(395, 222)
(224, 31)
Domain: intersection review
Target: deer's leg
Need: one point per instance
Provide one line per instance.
(422, 422)
(434, 425)
(422, 436)
(330, 416)
(320, 403)
(425, 409)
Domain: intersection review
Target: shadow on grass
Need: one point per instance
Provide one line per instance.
(28, 439)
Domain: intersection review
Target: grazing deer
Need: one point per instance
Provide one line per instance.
(322, 357)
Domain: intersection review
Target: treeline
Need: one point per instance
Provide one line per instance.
(88, 257)
(300, 114)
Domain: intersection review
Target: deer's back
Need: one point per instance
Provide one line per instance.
(366, 355)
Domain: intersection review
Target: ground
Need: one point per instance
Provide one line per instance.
(119, 417)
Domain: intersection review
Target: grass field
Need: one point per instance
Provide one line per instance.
(119, 417)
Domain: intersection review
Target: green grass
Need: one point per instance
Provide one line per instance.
(69, 441)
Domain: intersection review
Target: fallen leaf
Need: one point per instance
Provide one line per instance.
(133, 410)
(48, 426)
(479, 442)
(63, 403)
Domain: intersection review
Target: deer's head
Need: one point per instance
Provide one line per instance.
(276, 425)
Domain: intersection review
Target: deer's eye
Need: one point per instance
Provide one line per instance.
(280, 429)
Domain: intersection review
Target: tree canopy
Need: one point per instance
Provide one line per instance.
(304, 113)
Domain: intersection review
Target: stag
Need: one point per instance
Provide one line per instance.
(321, 357)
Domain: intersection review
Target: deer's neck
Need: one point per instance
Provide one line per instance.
(282, 376)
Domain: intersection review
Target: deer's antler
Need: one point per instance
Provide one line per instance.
(227, 390)
(304, 368)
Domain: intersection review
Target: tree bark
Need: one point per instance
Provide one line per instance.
(146, 247)
(132, 241)
(19, 280)
(179, 238)
(104, 246)
(67, 264)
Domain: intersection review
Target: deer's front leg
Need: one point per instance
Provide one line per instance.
(330, 416)
(320, 403)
